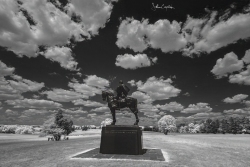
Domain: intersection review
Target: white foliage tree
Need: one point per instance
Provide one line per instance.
(24, 130)
(184, 129)
(168, 122)
(107, 121)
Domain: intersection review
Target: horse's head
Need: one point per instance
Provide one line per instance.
(106, 94)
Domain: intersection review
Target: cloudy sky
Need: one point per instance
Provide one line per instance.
(189, 59)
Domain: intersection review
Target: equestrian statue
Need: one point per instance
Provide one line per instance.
(120, 101)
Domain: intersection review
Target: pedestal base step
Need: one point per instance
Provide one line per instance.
(148, 155)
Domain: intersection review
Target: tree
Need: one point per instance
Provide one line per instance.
(231, 125)
(224, 126)
(168, 122)
(63, 123)
(58, 118)
(247, 123)
(202, 128)
(217, 125)
(58, 125)
(238, 125)
(50, 123)
(107, 121)
(67, 126)
(207, 124)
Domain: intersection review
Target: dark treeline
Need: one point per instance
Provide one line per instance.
(234, 125)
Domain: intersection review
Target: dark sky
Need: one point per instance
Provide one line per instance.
(189, 59)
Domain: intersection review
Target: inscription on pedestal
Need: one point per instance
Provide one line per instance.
(121, 140)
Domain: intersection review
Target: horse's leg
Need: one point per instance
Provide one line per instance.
(113, 115)
(136, 116)
(135, 111)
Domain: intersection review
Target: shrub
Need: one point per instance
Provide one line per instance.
(183, 129)
(84, 128)
(147, 128)
(54, 130)
(42, 134)
(24, 130)
(194, 128)
(155, 129)
(107, 121)
(9, 128)
(38, 129)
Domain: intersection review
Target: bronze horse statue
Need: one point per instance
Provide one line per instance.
(115, 104)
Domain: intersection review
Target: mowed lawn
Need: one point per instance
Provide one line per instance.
(193, 150)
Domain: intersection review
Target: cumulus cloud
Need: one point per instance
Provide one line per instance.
(94, 14)
(141, 97)
(100, 109)
(12, 89)
(129, 61)
(4, 70)
(172, 107)
(51, 26)
(241, 78)
(93, 80)
(33, 103)
(197, 108)
(152, 115)
(235, 99)
(93, 85)
(138, 35)
(87, 103)
(4, 96)
(186, 94)
(75, 111)
(62, 55)
(7, 92)
(92, 115)
(158, 88)
(197, 35)
(207, 34)
(148, 109)
(245, 111)
(130, 35)
(85, 89)
(202, 116)
(132, 83)
(228, 64)
(25, 85)
(246, 58)
(11, 113)
(34, 112)
(62, 95)
(247, 103)
(30, 24)
(199, 116)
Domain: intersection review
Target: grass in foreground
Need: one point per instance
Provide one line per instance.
(194, 150)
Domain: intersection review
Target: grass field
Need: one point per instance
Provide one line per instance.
(192, 150)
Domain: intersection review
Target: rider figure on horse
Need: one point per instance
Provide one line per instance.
(122, 91)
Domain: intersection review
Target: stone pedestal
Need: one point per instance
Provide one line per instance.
(121, 139)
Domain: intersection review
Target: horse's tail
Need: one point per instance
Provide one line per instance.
(135, 103)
